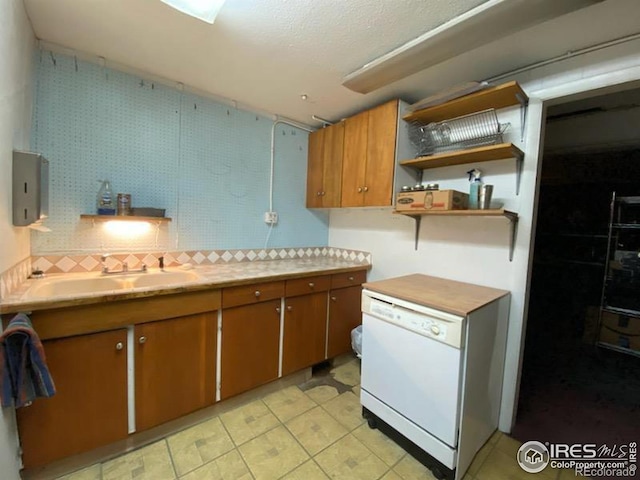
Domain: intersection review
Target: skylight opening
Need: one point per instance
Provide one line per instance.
(205, 10)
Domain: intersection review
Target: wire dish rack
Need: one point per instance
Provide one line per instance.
(473, 130)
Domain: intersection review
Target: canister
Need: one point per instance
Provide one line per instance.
(124, 204)
(485, 197)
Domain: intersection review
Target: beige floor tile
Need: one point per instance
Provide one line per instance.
(385, 448)
(198, 445)
(502, 466)
(322, 393)
(273, 454)
(349, 373)
(356, 391)
(493, 439)
(410, 469)
(89, 473)
(391, 475)
(349, 459)
(249, 421)
(480, 457)
(508, 445)
(346, 409)
(288, 403)
(148, 463)
(307, 471)
(227, 467)
(316, 430)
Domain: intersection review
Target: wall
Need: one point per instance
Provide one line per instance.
(475, 249)
(16, 46)
(206, 163)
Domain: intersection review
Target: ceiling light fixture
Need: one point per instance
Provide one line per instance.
(490, 21)
(205, 10)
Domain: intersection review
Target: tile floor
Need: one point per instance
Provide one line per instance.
(307, 432)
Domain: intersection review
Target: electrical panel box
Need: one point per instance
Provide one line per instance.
(30, 188)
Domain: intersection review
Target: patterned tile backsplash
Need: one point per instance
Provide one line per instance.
(88, 263)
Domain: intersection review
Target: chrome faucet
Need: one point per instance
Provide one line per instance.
(125, 267)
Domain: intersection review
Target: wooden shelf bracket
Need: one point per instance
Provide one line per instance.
(523, 100)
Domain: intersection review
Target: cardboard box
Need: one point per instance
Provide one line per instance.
(432, 200)
(620, 330)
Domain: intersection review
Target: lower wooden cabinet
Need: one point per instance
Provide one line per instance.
(250, 346)
(90, 407)
(175, 367)
(305, 331)
(344, 315)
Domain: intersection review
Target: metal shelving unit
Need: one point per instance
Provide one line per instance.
(619, 319)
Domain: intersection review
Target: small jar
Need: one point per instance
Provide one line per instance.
(124, 204)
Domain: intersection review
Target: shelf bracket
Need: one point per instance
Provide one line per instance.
(418, 220)
(513, 219)
(519, 155)
(524, 103)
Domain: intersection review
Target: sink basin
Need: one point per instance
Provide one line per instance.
(161, 279)
(87, 284)
(73, 286)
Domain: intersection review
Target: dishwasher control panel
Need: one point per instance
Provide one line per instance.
(440, 326)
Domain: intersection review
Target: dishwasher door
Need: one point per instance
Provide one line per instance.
(415, 375)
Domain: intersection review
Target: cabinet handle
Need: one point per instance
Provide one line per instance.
(366, 189)
(289, 308)
(312, 285)
(142, 340)
(278, 309)
(333, 299)
(257, 294)
(119, 346)
(318, 193)
(351, 279)
(323, 193)
(359, 189)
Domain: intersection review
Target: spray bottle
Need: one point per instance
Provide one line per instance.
(105, 204)
(474, 188)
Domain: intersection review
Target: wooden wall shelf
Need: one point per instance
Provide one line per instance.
(501, 96)
(125, 218)
(487, 153)
(500, 212)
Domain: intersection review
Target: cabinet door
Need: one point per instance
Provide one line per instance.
(354, 159)
(332, 165)
(381, 153)
(89, 408)
(305, 330)
(250, 346)
(344, 316)
(315, 168)
(175, 365)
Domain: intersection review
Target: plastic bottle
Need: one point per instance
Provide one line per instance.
(474, 188)
(105, 203)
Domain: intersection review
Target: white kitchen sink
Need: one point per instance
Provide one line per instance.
(91, 283)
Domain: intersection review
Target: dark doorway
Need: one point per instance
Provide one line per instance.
(572, 391)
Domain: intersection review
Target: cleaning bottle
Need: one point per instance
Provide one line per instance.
(105, 203)
(474, 188)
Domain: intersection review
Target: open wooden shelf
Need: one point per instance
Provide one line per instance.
(501, 96)
(499, 212)
(125, 218)
(487, 153)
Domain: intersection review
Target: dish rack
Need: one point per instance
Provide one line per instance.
(473, 130)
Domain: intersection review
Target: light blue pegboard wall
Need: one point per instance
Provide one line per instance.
(206, 163)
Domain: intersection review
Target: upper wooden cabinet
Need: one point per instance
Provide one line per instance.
(324, 171)
(369, 157)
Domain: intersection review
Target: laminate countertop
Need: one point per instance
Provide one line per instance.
(449, 296)
(209, 277)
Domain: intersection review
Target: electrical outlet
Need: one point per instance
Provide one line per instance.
(270, 218)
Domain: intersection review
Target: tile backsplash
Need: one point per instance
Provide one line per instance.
(11, 278)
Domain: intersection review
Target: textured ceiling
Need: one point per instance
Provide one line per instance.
(266, 53)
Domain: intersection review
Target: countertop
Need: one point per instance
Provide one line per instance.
(212, 277)
(448, 296)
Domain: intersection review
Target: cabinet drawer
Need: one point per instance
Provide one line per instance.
(303, 286)
(348, 279)
(247, 294)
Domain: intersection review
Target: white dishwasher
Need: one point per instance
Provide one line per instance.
(426, 383)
